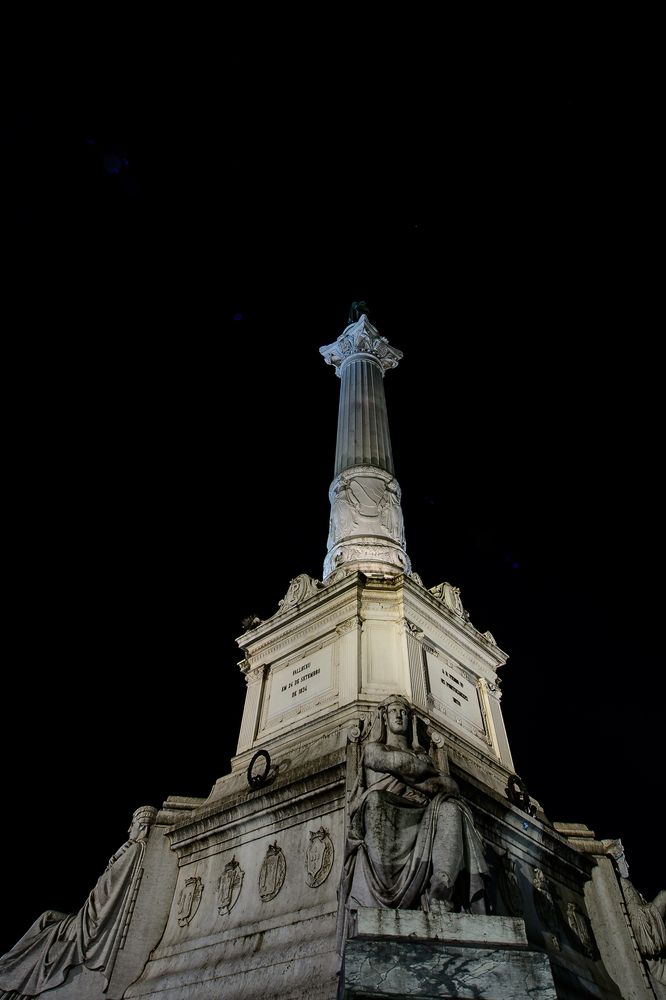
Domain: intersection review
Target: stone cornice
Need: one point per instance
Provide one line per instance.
(304, 917)
(510, 824)
(295, 624)
(469, 637)
(200, 831)
(300, 619)
(256, 638)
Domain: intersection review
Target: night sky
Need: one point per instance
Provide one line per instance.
(171, 427)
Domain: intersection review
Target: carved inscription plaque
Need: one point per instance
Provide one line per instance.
(300, 683)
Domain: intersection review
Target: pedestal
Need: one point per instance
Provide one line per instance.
(399, 953)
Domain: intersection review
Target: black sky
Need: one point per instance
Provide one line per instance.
(172, 425)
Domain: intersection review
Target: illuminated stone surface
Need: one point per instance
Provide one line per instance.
(366, 528)
(242, 894)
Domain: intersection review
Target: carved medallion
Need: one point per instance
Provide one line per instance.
(272, 872)
(318, 857)
(229, 886)
(188, 900)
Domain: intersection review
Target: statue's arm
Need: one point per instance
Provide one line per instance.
(405, 766)
(440, 783)
(414, 769)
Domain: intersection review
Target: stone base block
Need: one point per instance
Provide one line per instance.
(395, 953)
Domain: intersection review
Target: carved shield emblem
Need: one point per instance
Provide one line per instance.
(318, 857)
(272, 872)
(229, 886)
(189, 898)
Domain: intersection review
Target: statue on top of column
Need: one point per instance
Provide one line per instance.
(356, 310)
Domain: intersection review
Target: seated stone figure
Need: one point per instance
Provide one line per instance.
(412, 842)
(648, 922)
(58, 941)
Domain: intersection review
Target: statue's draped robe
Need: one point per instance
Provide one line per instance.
(57, 941)
(402, 845)
(650, 932)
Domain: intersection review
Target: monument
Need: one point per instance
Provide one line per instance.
(372, 838)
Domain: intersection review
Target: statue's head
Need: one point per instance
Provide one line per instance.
(397, 714)
(142, 820)
(357, 310)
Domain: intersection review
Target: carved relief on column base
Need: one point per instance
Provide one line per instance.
(365, 500)
(367, 555)
(366, 527)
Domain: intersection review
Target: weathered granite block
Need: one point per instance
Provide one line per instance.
(431, 969)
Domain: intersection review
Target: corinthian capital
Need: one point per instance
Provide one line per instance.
(253, 674)
(361, 337)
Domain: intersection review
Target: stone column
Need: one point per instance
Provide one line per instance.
(254, 678)
(491, 696)
(366, 527)
(363, 433)
(417, 675)
(348, 642)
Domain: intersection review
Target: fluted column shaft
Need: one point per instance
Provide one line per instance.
(363, 431)
(366, 531)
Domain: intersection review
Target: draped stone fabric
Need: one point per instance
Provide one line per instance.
(411, 840)
(405, 849)
(647, 921)
(58, 941)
